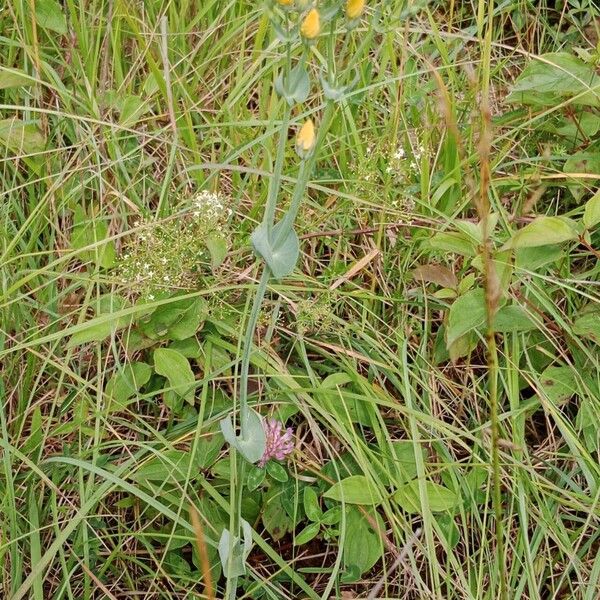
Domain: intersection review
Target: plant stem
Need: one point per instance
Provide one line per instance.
(248, 337)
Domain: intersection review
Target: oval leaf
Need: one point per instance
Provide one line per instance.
(356, 489)
(176, 368)
(439, 498)
(544, 231)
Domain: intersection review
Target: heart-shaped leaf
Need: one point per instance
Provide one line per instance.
(252, 442)
(279, 249)
(234, 552)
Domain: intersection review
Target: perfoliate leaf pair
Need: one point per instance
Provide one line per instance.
(251, 443)
(279, 249)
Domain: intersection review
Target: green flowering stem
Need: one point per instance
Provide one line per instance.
(307, 166)
(248, 337)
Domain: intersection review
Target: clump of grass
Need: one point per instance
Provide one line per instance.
(418, 458)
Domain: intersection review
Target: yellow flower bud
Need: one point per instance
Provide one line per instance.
(354, 8)
(305, 140)
(285, 2)
(311, 26)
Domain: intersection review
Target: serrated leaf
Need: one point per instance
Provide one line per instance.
(438, 497)
(591, 213)
(176, 368)
(544, 231)
(356, 489)
(281, 255)
(49, 15)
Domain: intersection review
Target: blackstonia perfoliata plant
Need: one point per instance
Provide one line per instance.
(299, 25)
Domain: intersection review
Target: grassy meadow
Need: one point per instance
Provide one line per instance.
(299, 299)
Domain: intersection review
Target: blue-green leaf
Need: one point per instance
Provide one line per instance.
(252, 443)
(279, 252)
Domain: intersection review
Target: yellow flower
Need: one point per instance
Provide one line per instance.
(311, 26)
(285, 2)
(305, 140)
(354, 8)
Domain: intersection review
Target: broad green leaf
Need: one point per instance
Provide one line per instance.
(255, 478)
(127, 381)
(466, 314)
(557, 76)
(588, 425)
(277, 472)
(404, 459)
(176, 320)
(544, 231)
(308, 533)
(588, 325)
(104, 325)
(280, 255)
(11, 78)
(208, 448)
(90, 231)
(49, 15)
(585, 161)
(131, 110)
(453, 241)
(168, 466)
(336, 379)
(311, 504)
(20, 137)
(217, 248)
(189, 347)
(558, 383)
(513, 318)
(176, 368)
(591, 213)
(363, 545)
(274, 517)
(438, 497)
(356, 489)
(332, 516)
